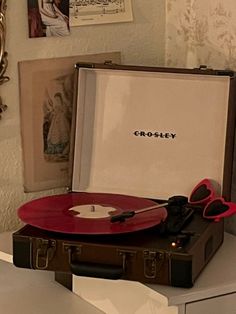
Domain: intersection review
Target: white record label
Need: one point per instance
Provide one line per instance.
(93, 211)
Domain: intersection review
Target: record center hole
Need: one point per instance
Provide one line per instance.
(92, 211)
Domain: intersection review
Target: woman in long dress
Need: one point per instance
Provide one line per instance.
(56, 22)
(58, 137)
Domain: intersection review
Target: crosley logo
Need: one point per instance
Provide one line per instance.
(164, 135)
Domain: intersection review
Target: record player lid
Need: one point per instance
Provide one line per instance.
(149, 134)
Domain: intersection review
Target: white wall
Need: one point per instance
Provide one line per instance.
(140, 42)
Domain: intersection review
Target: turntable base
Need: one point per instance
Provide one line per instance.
(146, 256)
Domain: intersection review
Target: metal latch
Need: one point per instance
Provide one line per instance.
(125, 254)
(44, 253)
(72, 249)
(153, 262)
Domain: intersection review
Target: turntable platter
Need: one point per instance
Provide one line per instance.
(89, 213)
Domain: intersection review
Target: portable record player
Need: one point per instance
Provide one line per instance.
(142, 135)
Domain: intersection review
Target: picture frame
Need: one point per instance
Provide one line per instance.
(46, 99)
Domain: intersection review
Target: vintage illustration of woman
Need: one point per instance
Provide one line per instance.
(56, 130)
(56, 23)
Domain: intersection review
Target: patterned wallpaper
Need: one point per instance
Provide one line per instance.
(200, 32)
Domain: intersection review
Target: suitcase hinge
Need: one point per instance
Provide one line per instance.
(153, 262)
(45, 251)
(72, 249)
(125, 255)
(108, 62)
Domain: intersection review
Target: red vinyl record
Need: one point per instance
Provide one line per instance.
(89, 213)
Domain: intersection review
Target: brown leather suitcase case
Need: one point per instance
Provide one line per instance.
(145, 256)
(149, 255)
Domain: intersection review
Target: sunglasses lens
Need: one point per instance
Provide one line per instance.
(215, 208)
(200, 194)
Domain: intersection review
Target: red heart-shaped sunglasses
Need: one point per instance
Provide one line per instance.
(213, 207)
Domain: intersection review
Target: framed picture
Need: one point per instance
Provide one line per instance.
(87, 12)
(48, 18)
(46, 98)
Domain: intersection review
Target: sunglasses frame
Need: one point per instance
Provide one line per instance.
(227, 213)
(210, 199)
(206, 200)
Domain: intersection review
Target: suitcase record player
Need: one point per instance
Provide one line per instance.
(142, 135)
